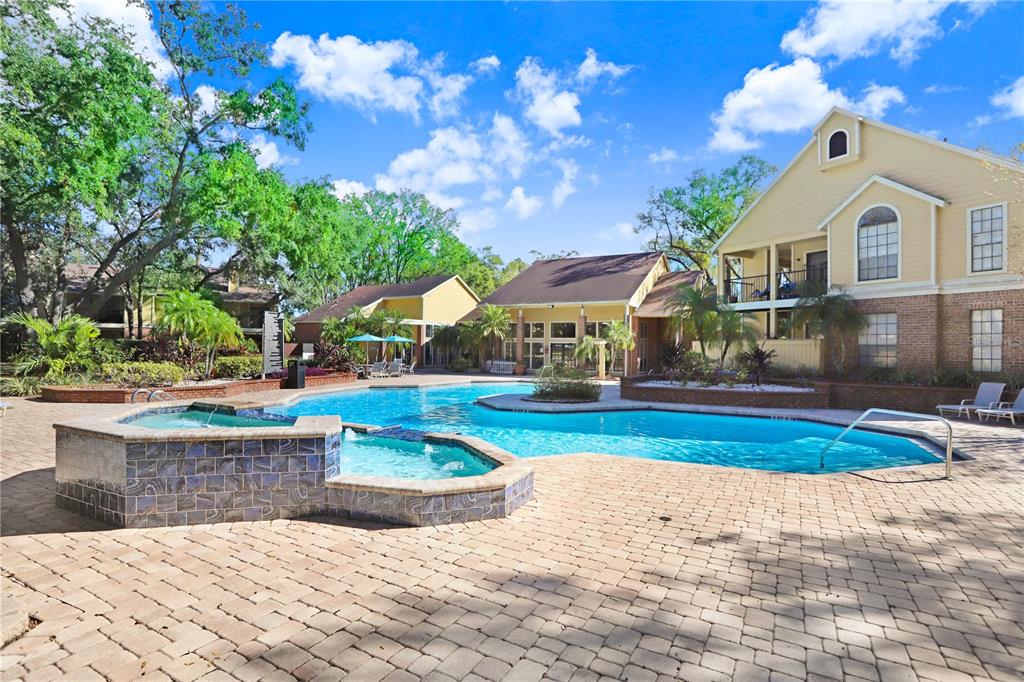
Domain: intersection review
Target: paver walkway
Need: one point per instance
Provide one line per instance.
(620, 568)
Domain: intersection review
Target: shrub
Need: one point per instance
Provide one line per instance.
(757, 360)
(566, 383)
(164, 349)
(671, 355)
(20, 386)
(238, 366)
(460, 365)
(137, 374)
(334, 357)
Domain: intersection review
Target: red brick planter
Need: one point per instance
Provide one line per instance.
(118, 394)
(816, 399)
(837, 395)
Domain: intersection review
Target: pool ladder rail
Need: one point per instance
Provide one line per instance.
(151, 394)
(897, 413)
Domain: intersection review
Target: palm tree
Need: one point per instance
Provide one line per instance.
(446, 339)
(390, 323)
(197, 322)
(62, 347)
(696, 310)
(472, 335)
(586, 350)
(495, 322)
(831, 313)
(733, 328)
(619, 337)
(335, 331)
(218, 331)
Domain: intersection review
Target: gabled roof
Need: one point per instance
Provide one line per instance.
(586, 279)
(881, 180)
(371, 293)
(1004, 161)
(656, 303)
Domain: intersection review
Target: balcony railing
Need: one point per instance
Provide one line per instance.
(748, 289)
(790, 283)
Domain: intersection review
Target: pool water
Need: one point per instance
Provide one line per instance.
(365, 455)
(748, 442)
(199, 419)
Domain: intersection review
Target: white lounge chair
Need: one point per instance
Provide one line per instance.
(1011, 411)
(410, 368)
(395, 368)
(987, 397)
(379, 369)
(6, 406)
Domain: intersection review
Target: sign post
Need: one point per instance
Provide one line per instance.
(273, 341)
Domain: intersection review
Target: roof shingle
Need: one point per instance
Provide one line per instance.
(367, 294)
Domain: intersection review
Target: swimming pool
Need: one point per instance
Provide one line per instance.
(367, 455)
(748, 442)
(199, 419)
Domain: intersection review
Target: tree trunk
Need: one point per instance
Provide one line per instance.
(19, 261)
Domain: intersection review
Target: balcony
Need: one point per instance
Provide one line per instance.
(790, 284)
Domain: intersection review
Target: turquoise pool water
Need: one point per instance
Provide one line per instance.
(199, 419)
(777, 445)
(365, 455)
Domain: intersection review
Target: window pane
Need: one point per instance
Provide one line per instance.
(563, 354)
(987, 239)
(877, 343)
(591, 329)
(837, 144)
(878, 244)
(563, 330)
(535, 330)
(987, 340)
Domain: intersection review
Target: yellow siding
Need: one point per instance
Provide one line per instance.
(447, 303)
(412, 308)
(808, 192)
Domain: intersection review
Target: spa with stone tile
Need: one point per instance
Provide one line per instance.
(137, 477)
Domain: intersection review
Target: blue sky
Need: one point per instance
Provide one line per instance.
(544, 125)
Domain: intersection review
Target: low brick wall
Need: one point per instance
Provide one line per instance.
(632, 389)
(827, 394)
(118, 394)
(921, 399)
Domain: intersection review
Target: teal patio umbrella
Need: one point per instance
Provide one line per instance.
(394, 338)
(367, 339)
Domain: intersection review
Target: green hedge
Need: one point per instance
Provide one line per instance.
(134, 374)
(558, 383)
(238, 366)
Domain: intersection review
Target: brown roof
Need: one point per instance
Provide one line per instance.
(577, 280)
(656, 303)
(243, 293)
(365, 295)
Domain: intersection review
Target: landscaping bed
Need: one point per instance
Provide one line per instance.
(806, 395)
(100, 393)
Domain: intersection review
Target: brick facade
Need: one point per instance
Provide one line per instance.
(934, 331)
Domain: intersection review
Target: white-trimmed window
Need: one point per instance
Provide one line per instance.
(877, 343)
(878, 244)
(563, 330)
(838, 144)
(988, 237)
(987, 340)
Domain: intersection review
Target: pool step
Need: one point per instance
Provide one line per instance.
(400, 433)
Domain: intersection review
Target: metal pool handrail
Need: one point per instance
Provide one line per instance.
(137, 391)
(159, 394)
(915, 415)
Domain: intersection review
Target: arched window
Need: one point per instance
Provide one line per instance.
(878, 244)
(838, 144)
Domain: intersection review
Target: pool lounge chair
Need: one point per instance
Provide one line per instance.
(1011, 411)
(395, 368)
(379, 369)
(3, 408)
(410, 368)
(987, 397)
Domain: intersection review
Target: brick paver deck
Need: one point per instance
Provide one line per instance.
(619, 569)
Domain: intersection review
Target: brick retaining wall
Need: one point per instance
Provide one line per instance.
(827, 394)
(118, 394)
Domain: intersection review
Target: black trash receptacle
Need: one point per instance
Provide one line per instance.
(296, 375)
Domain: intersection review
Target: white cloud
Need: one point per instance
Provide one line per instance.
(567, 185)
(547, 106)
(477, 220)
(267, 153)
(617, 232)
(136, 19)
(845, 30)
(344, 188)
(663, 155)
(783, 99)
(876, 99)
(522, 204)
(1010, 99)
(208, 97)
(348, 70)
(486, 65)
(592, 68)
(942, 89)
(459, 156)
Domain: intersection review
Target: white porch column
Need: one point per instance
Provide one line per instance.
(773, 270)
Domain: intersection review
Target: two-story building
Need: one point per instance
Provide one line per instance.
(925, 235)
(427, 304)
(556, 302)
